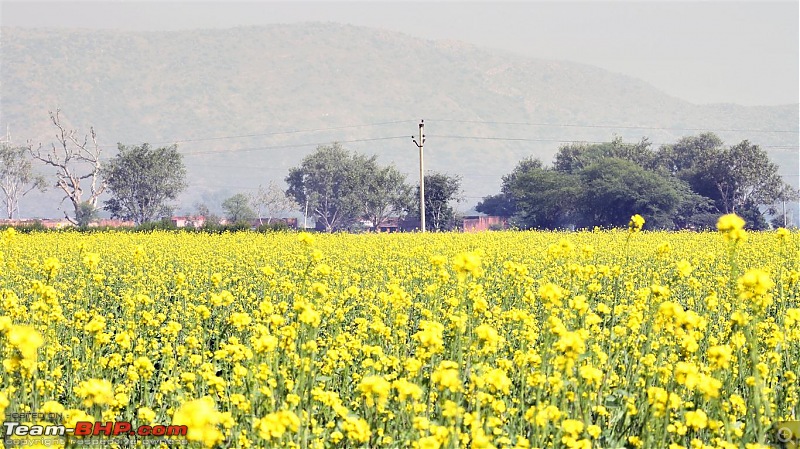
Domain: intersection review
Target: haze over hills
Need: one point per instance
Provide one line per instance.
(246, 104)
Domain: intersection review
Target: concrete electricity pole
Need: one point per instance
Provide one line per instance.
(421, 175)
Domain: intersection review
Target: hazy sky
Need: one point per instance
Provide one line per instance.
(702, 51)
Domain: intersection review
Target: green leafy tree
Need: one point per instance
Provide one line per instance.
(87, 213)
(142, 180)
(745, 175)
(573, 158)
(331, 183)
(614, 189)
(237, 208)
(387, 194)
(501, 205)
(534, 197)
(688, 156)
(17, 177)
(683, 185)
(689, 161)
(441, 190)
(739, 179)
(544, 199)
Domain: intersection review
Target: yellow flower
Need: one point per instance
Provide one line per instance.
(429, 442)
(430, 335)
(8, 234)
(684, 268)
(201, 418)
(551, 294)
(264, 343)
(487, 335)
(98, 324)
(730, 222)
(50, 407)
(240, 320)
(91, 260)
(696, 419)
(356, 429)
(755, 286)
(306, 238)
(95, 392)
(446, 376)
(468, 263)
(309, 316)
(274, 425)
(792, 317)
(732, 227)
(571, 345)
(720, 356)
(636, 223)
(73, 416)
(144, 367)
(26, 339)
(572, 427)
(591, 375)
(146, 415)
(498, 380)
(51, 265)
(375, 387)
(407, 389)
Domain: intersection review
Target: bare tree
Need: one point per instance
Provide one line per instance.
(273, 201)
(75, 161)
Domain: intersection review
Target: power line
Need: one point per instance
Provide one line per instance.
(485, 122)
(274, 133)
(299, 145)
(575, 125)
(526, 139)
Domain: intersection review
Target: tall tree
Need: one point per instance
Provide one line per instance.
(17, 177)
(237, 208)
(744, 174)
(142, 180)
(738, 179)
(441, 190)
(75, 161)
(331, 182)
(387, 194)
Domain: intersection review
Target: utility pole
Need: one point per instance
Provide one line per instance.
(305, 213)
(421, 175)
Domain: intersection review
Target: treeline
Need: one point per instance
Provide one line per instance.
(340, 190)
(164, 224)
(683, 185)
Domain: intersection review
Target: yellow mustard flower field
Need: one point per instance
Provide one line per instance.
(596, 339)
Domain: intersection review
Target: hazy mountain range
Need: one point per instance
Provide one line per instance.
(245, 104)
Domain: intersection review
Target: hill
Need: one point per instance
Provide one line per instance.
(245, 104)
